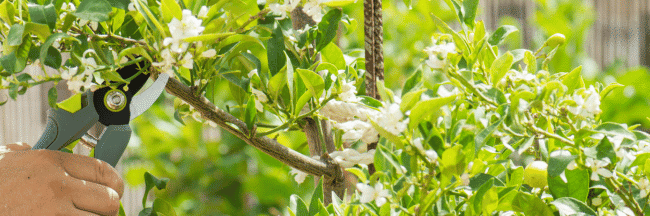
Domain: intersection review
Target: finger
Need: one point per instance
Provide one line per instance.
(92, 170)
(19, 146)
(94, 198)
(79, 212)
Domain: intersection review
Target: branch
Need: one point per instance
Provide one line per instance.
(238, 128)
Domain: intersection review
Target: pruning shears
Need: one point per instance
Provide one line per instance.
(114, 108)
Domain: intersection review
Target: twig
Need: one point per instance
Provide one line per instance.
(551, 135)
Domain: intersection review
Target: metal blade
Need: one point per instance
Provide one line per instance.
(144, 100)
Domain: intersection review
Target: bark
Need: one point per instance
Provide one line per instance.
(374, 38)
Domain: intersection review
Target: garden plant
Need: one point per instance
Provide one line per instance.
(475, 129)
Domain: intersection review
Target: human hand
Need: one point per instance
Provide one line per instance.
(46, 182)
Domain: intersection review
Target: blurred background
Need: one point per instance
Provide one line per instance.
(214, 173)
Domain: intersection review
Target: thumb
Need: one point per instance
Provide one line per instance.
(18, 146)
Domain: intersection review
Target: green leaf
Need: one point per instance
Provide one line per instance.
(332, 54)
(7, 12)
(412, 81)
(571, 206)
(53, 59)
(312, 81)
(15, 36)
(425, 109)
(609, 89)
(482, 137)
(122, 4)
(41, 31)
(251, 113)
(516, 177)
(394, 138)
(576, 185)
(531, 62)
(170, 8)
(298, 206)
(112, 75)
(145, 212)
(640, 159)
(453, 161)
(150, 182)
(45, 48)
(371, 102)
(470, 7)
(327, 28)
(614, 129)
(572, 79)
(500, 67)
(151, 19)
(360, 174)
(15, 61)
(275, 51)
(388, 156)
(208, 38)
(43, 14)
(96, 10)
(558, 162)
(530, 205)
(163, 207)
(51, 97)
(338, 3)
(316, 198)
(501, 33)
(276, 83)
(604, 149)
(410, 99)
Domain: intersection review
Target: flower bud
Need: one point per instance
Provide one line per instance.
(555, 40)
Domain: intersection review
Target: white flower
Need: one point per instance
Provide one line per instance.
(350, 157)
(586, 107)
(252, 73)
(349, 92)
(572, 165)
(465, 179)
(131, 7)
(625, 211)
(357, 129)
(443, 92)
(340, 111)
(167, 62)
(597, 168)
(644, 187)
(188, 26)
(69, 73)
(438, 54)
(187, 61)
(282, 10)
(209, 53)
(378, 193)
(643, 147)
(313, 9)
(521, 75)
(390, 119)
(203, 13)
(300, 175)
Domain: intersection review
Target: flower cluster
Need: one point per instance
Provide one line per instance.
(438, 54)
(188, 26)
(85, 79)
(312, 8)
(587, 103)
